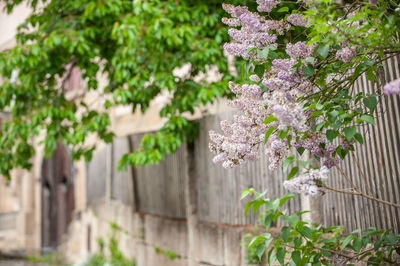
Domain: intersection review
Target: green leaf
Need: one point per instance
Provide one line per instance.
(268, 133)
(285, 234)
(323, 51)
(371, 75)
(247, 207)
(247, 66)
(264, 52)
(285, 198)
(346, 241)
(283, 9)
(374, 261)
(273, 55)
(293, 172)
(319, 106)
(270, 119)
(246, 192)
(308, 70)
(267, 221)
(283, 133)
(257, 204)
(276, 216)
(301, 150)
(331, 134)
(349, 132)
(391, 239)
(332, 116)
(306, 232)
(296, 257)
(319, 126)
(297, 242)
(289, 160)
(359, 138)
(367, 118)
(309, 60)
(291, 220)
(259, 70)
(370, 103)
(257, 240)
(280, 255)
(304, 163)
(271, 257)
(260, 250)
(357, 244)
(377, 244)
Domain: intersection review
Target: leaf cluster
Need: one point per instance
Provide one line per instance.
(135, 45)
(301, 243)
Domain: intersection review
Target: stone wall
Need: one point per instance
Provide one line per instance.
(143, 235)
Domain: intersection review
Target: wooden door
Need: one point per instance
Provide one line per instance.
(57, 198)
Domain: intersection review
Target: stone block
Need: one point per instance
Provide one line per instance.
(141, 254)
(211, 244)
(232, 247)
(167, 234)
(158, 258)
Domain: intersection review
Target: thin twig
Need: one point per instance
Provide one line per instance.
(346, 177)
(359, 193)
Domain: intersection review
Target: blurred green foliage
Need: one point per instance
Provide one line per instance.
(135, 44)
(115, 256)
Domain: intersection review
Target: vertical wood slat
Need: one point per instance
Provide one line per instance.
(160, 187)
(96, 177)
(122, 181)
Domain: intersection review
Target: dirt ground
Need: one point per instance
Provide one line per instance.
(8, 262)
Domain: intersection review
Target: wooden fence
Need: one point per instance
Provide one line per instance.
(159, 189)
(377, 162)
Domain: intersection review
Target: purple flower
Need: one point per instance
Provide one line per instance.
(267, 5)
(392, 87)
(346, 144)
(255, 78)
(250, 20)
(331, 162)
(299, 50)
(306, 183)
(346, 54)
(297, 20)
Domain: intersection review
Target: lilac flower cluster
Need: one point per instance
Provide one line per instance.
(346, 144)
(346, 54)
(288, 112)
(297, 20)
(267, 5)
(255, 78)
(253, 32)
(300, 50)
(314, 143)
(276, 150)
(281, 76)
(392, 87)
(307, 183)
(243, 136)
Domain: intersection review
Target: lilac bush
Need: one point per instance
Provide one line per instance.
(303, 59)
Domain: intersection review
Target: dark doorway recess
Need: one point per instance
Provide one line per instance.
(57, 192)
